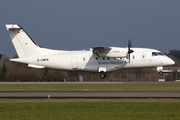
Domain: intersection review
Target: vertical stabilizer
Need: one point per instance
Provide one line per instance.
(25, 47)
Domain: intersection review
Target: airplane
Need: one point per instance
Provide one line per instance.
(97, 59)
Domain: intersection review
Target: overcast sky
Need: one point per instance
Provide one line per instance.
(82, 24)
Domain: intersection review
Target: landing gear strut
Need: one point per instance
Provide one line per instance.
(102, 74)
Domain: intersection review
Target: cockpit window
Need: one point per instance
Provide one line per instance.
(154, 54)
(157, 54)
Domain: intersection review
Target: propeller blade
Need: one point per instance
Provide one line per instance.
(129, 44)
(129, 49)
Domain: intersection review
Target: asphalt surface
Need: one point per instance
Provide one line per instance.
(173, 82)
(88, 94)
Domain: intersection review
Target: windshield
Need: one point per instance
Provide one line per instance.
(160, 53)
(154, 54)
(157, 54)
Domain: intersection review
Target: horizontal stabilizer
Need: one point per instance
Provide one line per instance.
(21, 60)
(35, 66)
(11, 26)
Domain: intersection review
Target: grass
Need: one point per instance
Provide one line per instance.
(92, 87)
(88, 109)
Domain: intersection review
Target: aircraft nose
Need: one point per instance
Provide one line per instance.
(166, 61)
(171, 62)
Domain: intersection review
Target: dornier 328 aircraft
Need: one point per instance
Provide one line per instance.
(98, 59)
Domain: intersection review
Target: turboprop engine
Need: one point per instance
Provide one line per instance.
(113, 51)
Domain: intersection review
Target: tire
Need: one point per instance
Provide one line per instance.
(102, 75)
(160, 72)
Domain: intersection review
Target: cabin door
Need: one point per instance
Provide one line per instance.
(74, 63)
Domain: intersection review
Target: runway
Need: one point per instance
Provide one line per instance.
(87, 94)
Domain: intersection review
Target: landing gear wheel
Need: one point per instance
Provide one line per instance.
(102, 75)
(160, 72)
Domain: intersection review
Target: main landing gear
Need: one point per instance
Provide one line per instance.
(161, 72)
(102, 75)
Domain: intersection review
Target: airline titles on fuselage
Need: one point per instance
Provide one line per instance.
(113, 62)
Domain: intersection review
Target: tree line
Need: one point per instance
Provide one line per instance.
(12, 71)
(175, 55)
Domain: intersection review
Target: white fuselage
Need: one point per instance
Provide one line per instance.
(87, 61)
(98, 59)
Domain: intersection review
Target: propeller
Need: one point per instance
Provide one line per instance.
(129, 49)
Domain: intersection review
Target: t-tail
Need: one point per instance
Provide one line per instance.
(24, 45)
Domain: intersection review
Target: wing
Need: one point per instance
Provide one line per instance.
(110, 51)
(101, 51)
